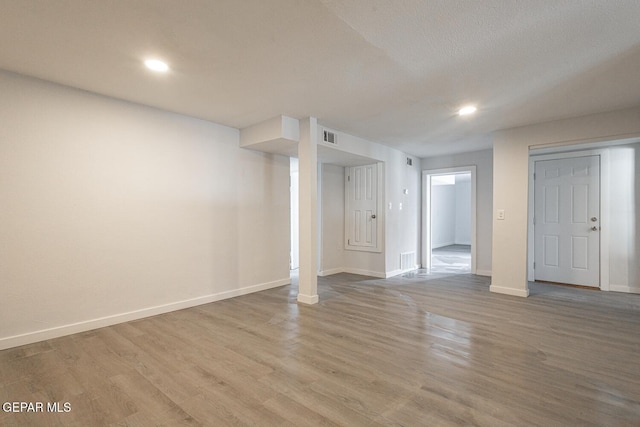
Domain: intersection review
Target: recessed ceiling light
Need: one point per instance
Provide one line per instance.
(156, 65)
(464, 111)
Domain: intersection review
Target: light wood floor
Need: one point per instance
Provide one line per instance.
(415, 350)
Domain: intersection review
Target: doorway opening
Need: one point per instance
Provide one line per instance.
(568, 232)
(566, 220)
(338, 251)
(449, 220)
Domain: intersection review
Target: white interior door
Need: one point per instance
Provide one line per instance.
(567, 220)
(362, 204)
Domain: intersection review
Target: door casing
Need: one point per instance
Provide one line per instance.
(604, 210)
(378, 222)
(426, 212)
(572, 216)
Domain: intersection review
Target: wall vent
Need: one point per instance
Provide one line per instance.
(409, 161)
(407, 261)
(329, 137)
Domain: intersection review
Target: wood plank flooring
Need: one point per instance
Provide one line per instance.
(416, 350)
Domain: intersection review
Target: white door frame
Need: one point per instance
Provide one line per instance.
(294, 208)
(426, 211)
(380, 217)
(604, 210)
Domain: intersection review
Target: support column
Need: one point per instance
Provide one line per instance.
(510, 195)
(308, 195)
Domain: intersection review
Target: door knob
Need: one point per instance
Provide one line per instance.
(594, 219)
(594, 228)
(373, 216)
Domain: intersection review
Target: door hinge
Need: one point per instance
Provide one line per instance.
(349, 242)
(348, 177)
(534, 265)
(534, 176)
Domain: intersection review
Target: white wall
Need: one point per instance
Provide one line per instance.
(443, 215)
(463, 210)
(483, 160)
(401, 226)
(451, 212)
(113, 211)
(624, 217)
(332, 219)
(510, 189)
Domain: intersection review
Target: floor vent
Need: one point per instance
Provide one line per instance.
(407, 260)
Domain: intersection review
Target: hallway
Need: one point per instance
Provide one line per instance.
(455, 259)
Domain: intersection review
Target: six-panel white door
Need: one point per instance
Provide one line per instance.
(567, 220)
(362, 203)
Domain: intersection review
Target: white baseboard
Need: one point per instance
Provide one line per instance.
(624, 288)
(483, 273)
(441, 245)
(393, 273)
(308, 299)
(377, 274)
(358, 271)
(370, 273)
(400, 271)
(74, 328)
(509, 291)
(330, 271)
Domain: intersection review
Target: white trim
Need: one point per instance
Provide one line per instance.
(369, 273)
(562, 147)
(361, 272)
(380, 214)
(399, 271)
(509, 291)
(330, 271)
(320, 219)
(308, 299)
(624, 288)
(426, 213)
(74, 328)
(605, 229)
(604, 208)
(392, 273)
(486, 273)
(449, 243)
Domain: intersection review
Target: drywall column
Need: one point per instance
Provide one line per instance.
(510, 171)
(308, 192)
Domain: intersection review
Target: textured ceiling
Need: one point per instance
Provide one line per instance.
(390, 71)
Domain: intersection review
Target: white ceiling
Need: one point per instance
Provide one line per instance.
(394, 72)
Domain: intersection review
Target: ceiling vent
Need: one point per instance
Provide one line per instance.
(329, 137)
